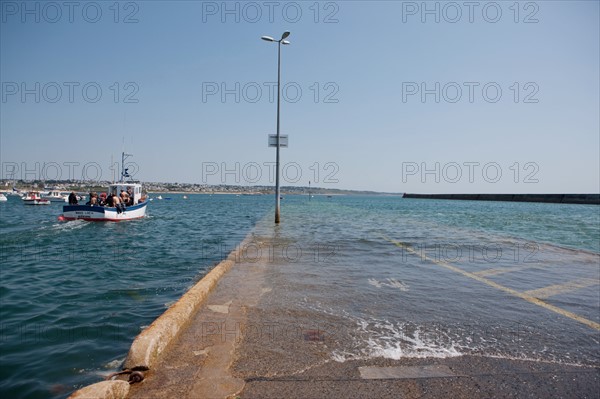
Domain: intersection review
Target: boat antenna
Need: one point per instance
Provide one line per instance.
(124, 171)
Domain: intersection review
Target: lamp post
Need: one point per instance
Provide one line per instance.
(277, 190)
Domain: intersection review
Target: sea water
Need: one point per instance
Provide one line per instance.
(399, 278)
(75, 294)
(397, 275)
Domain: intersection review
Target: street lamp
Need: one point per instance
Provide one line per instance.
(279, 43)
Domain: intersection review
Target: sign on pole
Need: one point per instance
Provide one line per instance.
(283, 140)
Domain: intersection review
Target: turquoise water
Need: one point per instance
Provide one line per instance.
(75, 294)
(399, 278)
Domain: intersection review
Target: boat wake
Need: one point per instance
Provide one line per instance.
(69, 225)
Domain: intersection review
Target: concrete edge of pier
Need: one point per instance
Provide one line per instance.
(103, 390)
(153, 341)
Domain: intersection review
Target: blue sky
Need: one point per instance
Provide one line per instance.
(360, 121)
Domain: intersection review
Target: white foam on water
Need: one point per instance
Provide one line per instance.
(393, 341)
(115, 364)
(169, 304)
(382, 338)
(370, 337)
(402, 286)
(389, 282)
(375, 283)
(341, 357)
(69, 225)
(404, 346)
(103, 373)
(106, 369)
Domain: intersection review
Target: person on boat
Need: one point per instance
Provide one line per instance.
(91, 197)
(108, 200)
(117, 203)
(112, 201)
(130, 196)
(72, 198)
(124, 197)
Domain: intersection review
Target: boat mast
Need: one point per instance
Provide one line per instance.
(124, 173)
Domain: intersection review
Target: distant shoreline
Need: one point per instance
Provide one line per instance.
(182, 188)
(250, 193)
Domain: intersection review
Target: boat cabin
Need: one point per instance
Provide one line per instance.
(33, 195)
(136, 190)
(55, 194)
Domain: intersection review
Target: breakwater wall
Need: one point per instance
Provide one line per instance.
(592, 199)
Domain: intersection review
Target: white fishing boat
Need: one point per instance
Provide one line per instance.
(111, 211)
(3, 198)
(56, 196)
(159, 197)
(99, 213)
(34, 198)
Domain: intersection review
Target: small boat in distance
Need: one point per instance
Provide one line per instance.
(34, 198)
(3, 198)
(159, 197)
(56, 196)
(95, 212)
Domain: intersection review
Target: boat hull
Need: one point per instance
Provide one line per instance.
(102, 214)
(55, 199)
(36, 202)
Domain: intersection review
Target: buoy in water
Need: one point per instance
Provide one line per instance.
(61, 218)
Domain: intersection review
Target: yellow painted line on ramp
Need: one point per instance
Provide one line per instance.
(546, 292)
(502, 270)
(510, 291)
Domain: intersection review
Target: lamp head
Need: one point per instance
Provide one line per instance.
(268, 38)
(285, 35)
(285, 42)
